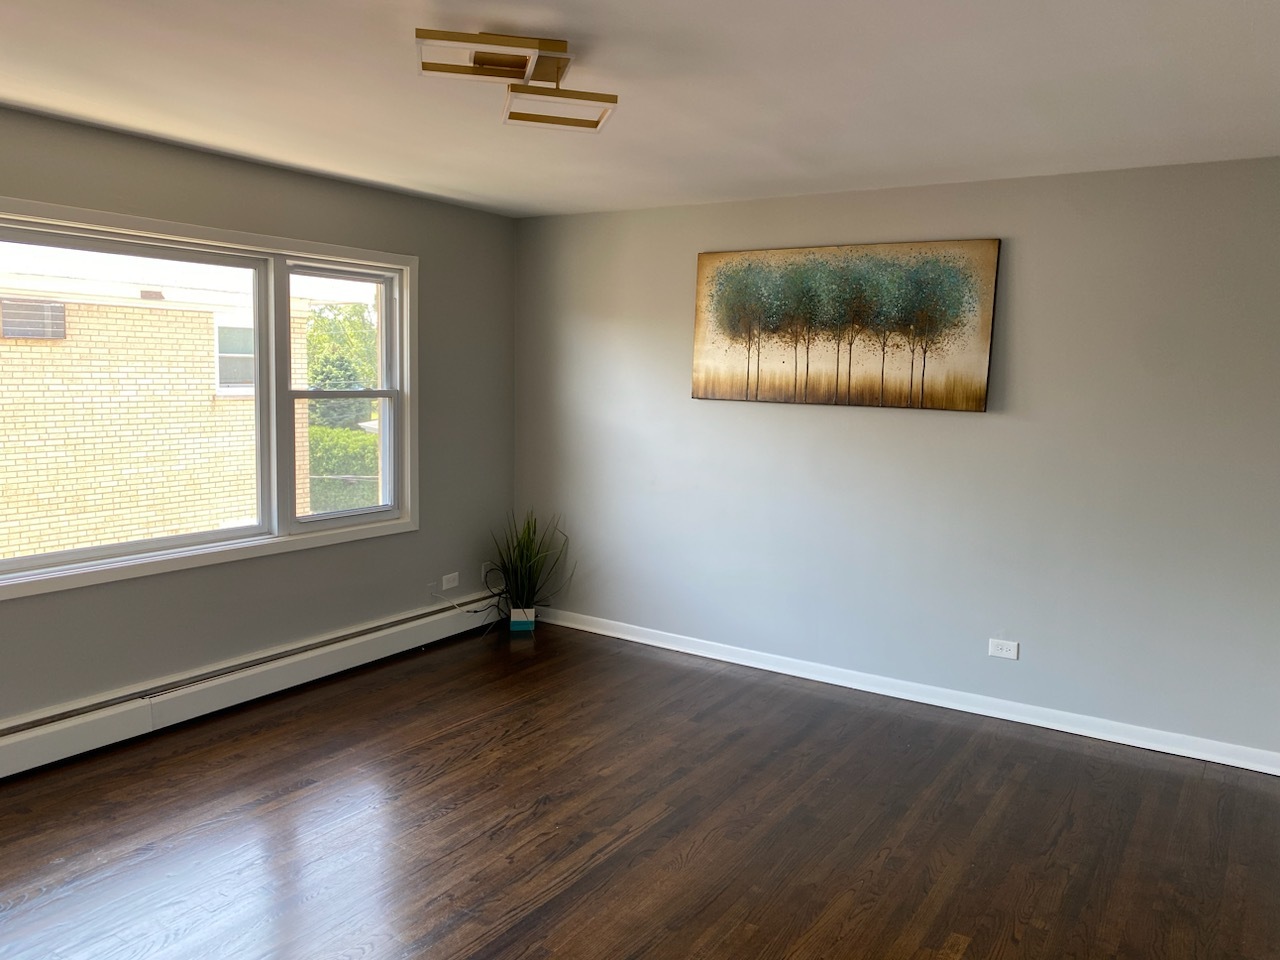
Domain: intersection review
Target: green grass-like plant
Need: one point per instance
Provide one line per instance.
(530, 568)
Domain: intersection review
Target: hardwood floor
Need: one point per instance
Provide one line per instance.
(581, 797)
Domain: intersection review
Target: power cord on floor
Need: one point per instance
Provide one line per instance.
(485, 608)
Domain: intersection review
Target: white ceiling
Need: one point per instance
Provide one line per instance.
(720, 99)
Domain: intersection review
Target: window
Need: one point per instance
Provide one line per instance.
(118, 455)
(341, 401)
(33, 320)
(235, 357)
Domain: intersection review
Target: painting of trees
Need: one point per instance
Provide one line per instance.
(891, 325)
(742, 298)
(938, 294)
(798, 293)
(856, 294)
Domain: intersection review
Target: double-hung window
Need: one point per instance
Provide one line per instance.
(186, 396)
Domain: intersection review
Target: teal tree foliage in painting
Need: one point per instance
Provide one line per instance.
(793, 325)
(877, 282)
(772, 292)
(799, 311)
(918, 305)
(938, 294)
(742, 299)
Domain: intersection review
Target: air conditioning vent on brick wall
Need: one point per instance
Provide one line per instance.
(33, 320)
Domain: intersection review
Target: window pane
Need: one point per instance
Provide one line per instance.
(115, 433)
(339, 455)
(335, 332)
(235, 371)
(235, 340)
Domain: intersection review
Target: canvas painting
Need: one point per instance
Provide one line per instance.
(882, 325)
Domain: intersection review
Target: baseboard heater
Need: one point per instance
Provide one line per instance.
(33, 740)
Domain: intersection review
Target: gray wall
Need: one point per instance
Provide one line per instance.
(1116, 511)
(71, 644)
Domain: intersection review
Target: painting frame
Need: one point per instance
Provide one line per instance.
(849, 324)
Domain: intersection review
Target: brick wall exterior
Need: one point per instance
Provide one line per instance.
(118, 432)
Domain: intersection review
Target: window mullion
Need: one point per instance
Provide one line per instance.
(263, 400)
(284, 481)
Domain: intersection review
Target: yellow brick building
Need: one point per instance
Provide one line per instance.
(118, 429)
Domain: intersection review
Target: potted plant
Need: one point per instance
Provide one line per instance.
(529, 570)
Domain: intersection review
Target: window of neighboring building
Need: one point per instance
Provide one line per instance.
(33, 320)
(113, 456)
(235, 358)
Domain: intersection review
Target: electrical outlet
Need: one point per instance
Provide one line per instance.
(1002, 648)
(450, 580)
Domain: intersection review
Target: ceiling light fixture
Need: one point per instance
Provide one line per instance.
(532, 68)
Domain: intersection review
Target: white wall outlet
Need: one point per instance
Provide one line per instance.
(450, 580)
(1002, 648)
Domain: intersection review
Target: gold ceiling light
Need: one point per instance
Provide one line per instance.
(532, 68)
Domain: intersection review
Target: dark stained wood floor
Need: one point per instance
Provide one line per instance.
(583, 797)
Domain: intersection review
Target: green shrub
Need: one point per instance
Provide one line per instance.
(344, 469)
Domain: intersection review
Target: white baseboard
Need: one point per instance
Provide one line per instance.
(41, 745)
(237, 681)
(1235, 755)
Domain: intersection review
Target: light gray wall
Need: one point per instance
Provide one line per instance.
(62, 646)
(1116, 511)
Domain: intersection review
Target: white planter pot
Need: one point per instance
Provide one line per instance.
(522, 619)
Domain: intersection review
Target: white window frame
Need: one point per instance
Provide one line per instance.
(389, 375)
(280, 530)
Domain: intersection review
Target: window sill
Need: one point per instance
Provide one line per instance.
(51, 579)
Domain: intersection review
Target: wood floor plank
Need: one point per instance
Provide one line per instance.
(582, 798)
